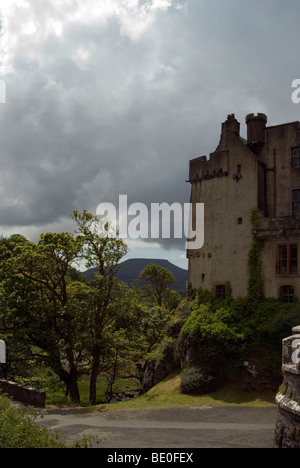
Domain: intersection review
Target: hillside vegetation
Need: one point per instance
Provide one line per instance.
(69, 335)
(167, 394)
(59, 328)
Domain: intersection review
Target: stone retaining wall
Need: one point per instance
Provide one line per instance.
(26, 395)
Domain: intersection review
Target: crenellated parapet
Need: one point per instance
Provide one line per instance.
(203, 169)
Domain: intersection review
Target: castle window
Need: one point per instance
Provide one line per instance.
(287, 293)
(220, 291)
(282, 268)
(296, 157)
(293, 259)
(287, 263)
(238, 175)
(296, 202)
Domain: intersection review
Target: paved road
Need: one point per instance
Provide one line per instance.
(206, 427)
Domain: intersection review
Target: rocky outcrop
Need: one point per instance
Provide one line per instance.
(154, 374)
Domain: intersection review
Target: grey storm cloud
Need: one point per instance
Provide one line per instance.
(116, 98)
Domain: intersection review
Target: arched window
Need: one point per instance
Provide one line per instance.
(287, 293)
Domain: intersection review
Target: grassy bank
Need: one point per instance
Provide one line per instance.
(59, 399)
(167, 394)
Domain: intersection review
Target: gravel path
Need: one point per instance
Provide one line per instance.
(203, 427)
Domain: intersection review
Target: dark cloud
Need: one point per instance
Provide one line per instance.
(96, 109)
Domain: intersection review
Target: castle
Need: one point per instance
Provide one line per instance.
(242, 176)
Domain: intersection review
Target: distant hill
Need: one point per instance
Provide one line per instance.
(130, 271)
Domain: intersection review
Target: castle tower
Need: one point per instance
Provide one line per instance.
(256, 126)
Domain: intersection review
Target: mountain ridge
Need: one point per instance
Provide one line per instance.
(130, 271)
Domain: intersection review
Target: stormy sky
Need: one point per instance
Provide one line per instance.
(115, 97)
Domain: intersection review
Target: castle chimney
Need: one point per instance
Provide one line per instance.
(231, 124)
(229, 127)
(256, 125)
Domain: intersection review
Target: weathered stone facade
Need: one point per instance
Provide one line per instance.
(261, 172)
(287, 431)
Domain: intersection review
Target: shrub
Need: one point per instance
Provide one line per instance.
(230, 332)
(213, 326)
(20, 431)
(194, 381)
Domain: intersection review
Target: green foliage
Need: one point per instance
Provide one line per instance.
(58, 327)
(228, 291)
(41, 378)
(212, 324)
(238, 330)
(35, 283)
(101, 248)
(196, 382)
(171, 299)
(20, 431)
(181, 314)
(159, 279)
(102, 251)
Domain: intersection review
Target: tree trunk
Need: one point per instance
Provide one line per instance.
(109, 392)
(94, 374)
(96, 353)
(70, 379)
(73, 378)
(74, 390)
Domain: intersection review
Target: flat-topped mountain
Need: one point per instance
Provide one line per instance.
(130, 271)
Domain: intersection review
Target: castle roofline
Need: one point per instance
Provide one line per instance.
(283, 125)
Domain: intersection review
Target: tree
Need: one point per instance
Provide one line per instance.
(38, 276)
(132, 337)
(52, 317)
(159, 279)
(13, 289)
(102, 251)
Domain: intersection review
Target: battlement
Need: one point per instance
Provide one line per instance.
(203, 169)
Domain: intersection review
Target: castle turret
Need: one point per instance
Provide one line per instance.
(256, 125)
